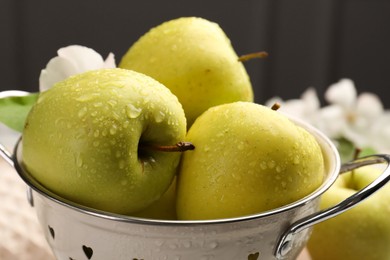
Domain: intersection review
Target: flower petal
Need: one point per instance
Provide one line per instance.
(83, 58)
(311, 100)
(331, 121)
(342, 93)
(369, 105)
(56, 70)
(71, 60)
(109, 63)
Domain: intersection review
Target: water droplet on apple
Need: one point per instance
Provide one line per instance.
(87, 97)
(96, 133)
(82, 112)
(112, 103)
(263, 165)
(59, 121)
(124, 182)
(115, 115)
(113, 129)
(94, 113)
(271, 164)
(159, 116)
(241, 146)
(220, 134)
(96, 143)
(79, 161)
(145, 92)
(278, 169)
(132, 111)
(237, 177)
(98, 104)
(296, 159)
(126, 124)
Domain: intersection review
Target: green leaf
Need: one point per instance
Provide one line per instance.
(346, 149)
(14, 110)
(367, 151)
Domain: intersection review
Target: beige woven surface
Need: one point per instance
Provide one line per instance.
(21, 237)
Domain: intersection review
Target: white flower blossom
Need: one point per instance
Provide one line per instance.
(305, 108)
(72, 60)
(353, 115)
(360, 119)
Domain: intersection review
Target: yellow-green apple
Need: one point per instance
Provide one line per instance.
(248, 159)
(99, 139)
(361, 233)
(194, 58)
(164, 208)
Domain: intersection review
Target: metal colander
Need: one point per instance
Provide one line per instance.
(75, 232)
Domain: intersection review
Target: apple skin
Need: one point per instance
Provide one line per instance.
(248, 159)
(362, 232)
(82, 139)
(164, 208)
(194, 58)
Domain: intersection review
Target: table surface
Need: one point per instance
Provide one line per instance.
(21, 237)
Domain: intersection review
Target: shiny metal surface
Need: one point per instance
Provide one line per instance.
(284, 245)
(77, 232)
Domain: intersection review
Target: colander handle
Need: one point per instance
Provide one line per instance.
(7, 156)
(286, 241)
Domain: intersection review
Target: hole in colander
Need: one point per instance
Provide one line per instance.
(88, 251)
(51, 231)
(254, 256)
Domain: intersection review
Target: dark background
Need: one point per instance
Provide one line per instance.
(310, 42)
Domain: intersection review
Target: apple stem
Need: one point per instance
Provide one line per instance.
(357, 153)
(275, 106)
(355, 157)
(178, 147)
(250, 56)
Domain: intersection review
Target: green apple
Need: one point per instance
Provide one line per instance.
(96, 139)
(164, 208)
(362, 232)
(194, 58)
(248, 159)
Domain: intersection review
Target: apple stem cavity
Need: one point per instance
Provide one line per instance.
(275, 106)
(178, 147)
(251, 56)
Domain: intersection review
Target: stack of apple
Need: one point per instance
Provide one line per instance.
(181, 104)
